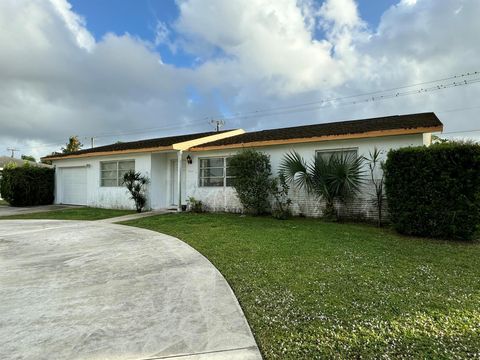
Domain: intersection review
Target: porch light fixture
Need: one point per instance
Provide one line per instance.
(189, 160)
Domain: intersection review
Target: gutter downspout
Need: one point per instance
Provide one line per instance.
(179, 180)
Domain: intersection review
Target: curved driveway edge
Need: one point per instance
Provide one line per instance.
(90, 290)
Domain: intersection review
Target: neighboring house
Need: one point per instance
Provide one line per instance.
(4, 160)
(196, 165)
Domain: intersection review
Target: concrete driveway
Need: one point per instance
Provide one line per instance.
(89, 290)
(6, 210)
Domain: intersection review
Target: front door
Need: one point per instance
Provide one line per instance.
(174, 182)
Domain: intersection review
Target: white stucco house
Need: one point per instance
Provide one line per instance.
(196, 165)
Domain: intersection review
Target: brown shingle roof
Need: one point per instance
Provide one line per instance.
(396, 122)
(134, 145)
(353, 127)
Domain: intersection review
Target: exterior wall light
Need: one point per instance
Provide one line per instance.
(189, 160)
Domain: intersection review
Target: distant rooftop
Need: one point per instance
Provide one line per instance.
(4, 160)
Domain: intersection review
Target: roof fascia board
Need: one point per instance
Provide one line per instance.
(185, 145)
(369, 134)
(113, 152)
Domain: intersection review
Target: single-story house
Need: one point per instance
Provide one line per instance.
(196, 165)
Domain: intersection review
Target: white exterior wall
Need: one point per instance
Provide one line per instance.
(225, 199)
(98, 196)
(157, 167)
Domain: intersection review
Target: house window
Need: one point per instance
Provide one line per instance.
(215, 171)
(326, 154)
(111, 172)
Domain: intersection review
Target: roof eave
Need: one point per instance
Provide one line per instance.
(108, 153)
(368, 134)
(185, 145)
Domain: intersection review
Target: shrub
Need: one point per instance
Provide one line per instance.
(252, 171)
(335, 178)
(136, 185)
(434, 191)
(27, 185)
(281, 208)
(195, 205)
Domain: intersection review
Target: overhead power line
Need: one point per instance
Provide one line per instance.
(455, 78)
(339, 102)
(460, 131)
(380, 95)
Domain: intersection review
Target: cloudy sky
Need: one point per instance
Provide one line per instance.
(125, 70)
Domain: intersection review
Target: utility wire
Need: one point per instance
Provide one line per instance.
(460, 80)
(330, 100)
(361, 101)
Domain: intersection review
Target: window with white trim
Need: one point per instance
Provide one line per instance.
(215, 172)
(111, 172)
(326, 154)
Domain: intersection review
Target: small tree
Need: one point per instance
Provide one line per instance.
(136, 185)
(252, 170)
(73, 145)
(28, 158)
(375, 165)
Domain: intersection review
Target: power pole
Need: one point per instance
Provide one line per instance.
(92, 140)
(218, 124)
(13, 151)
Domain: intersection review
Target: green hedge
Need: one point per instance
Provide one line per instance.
(434, 191)
(251, 170)
(27, 185)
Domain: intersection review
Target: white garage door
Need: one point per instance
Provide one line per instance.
(74, 185)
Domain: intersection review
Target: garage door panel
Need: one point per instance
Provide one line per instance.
(74, 186)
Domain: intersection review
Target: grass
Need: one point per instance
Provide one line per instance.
(3, 202)
(311, 289)
(82, 213)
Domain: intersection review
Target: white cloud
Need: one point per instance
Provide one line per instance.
(74, 23)
(162, 33)
(267, 42)
(56, 80)
(342, 13)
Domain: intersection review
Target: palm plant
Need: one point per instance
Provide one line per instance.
(136, 184)
(336, 177)
(375, 165)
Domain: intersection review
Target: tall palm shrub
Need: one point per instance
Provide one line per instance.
(377, 178)
(337, 177)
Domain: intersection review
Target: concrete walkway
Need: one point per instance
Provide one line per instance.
(118, 219)
(91, 290)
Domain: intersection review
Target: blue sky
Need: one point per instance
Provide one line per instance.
(139, 18)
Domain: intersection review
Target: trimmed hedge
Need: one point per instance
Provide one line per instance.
(28, 185)
(434, 191)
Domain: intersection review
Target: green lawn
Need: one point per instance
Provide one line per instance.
(3, 202)
(323, 290)
(81, 213)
